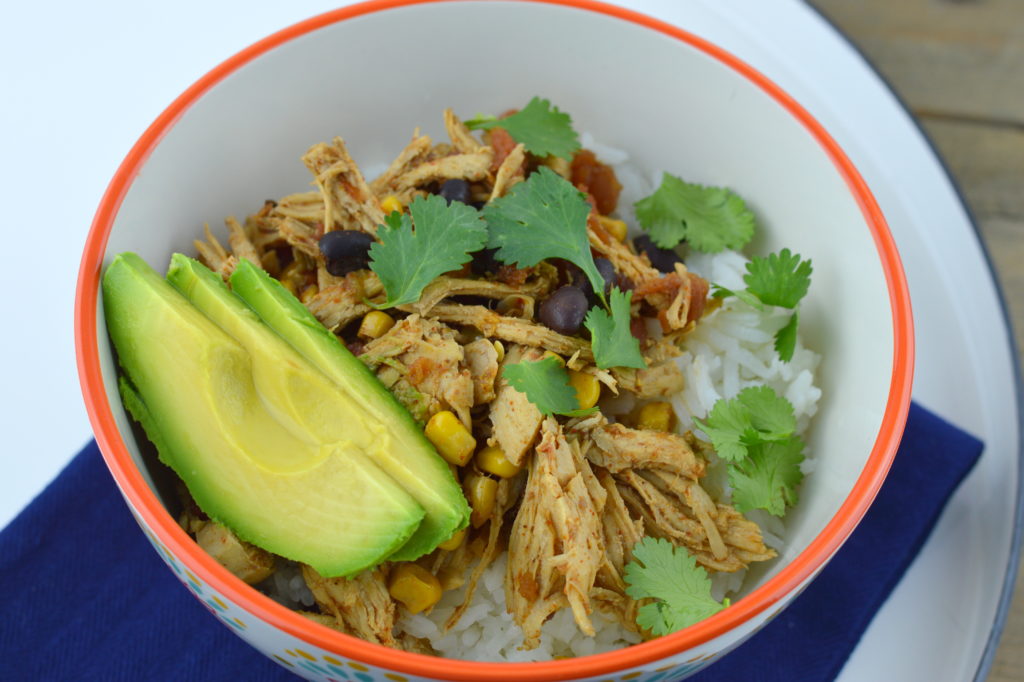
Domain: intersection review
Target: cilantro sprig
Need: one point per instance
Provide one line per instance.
(539, 126)
(756, 415)
(543, 217)
(545, 383)
(708, 218)
(767, 479)
(756, 433)
(779, 279)
(610, 337)
(669, 575)
(415, 248)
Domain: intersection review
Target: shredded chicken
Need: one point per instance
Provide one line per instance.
(556, 547)
(515, 420)
(679, 297)
(667, 516)
(619, 448)
(360, 605)
(443, 287)
(213, 255)
(512, 329)
(462, 140)
(299, 236)
(413, 154)
(482, 360)
(349, 203)
(247, 562)
(338, 305)
(241, 247)
(509, 172)
(434, 362)
(621, 532)
(307, 207)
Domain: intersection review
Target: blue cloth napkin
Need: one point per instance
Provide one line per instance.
(85, 597)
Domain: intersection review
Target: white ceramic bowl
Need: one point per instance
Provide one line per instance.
(372, 72)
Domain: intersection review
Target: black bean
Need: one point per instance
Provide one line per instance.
(455, 190)
(564, 310)
(582, 282)
(484, 262)
(607, 270)
(663, 260)
(345, 251)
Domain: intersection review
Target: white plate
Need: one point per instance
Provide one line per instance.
(108, 68)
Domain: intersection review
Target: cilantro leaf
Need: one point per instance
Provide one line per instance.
(768, 478)
(779, 278)
(546, 384)
(543, 217)
(756, 415)
(542, 128)
(613, 343)
(785, 338)
(407, 259)
(744, 295)
(671, 576)
(708, 218)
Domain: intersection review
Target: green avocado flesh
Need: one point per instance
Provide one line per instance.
(410, 458)
(249, 425)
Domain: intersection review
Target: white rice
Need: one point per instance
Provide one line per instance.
(486, 630)
(731, 348)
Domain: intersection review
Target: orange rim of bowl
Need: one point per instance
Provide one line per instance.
(152, 512)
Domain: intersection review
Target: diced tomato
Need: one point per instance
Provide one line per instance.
(597, 179)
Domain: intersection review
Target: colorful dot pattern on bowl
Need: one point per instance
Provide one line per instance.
(313, 663)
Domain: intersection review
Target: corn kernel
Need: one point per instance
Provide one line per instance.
(451, 438)
(616, 228)
(290, 286)
(293, 272)
(492, 459)
(375, 324)
(414, 586)
(556, 356)
(481, 491)
(390, 204)
(454, 541)
(656, 416)
(308, 293)
(499, 348)
(588, 388)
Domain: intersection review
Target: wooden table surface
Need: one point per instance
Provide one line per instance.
(959, 66)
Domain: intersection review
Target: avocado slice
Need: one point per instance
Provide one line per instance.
(412, 461)
(202, 398)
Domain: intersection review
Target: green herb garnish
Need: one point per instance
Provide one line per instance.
(779, 279)
(545, 383)
(755, 433)
(610, 336)
(708, 218)
(671, 576)
(768, 477)
(543, 217)
(540, 127)
(756, 415)
(417, 247)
